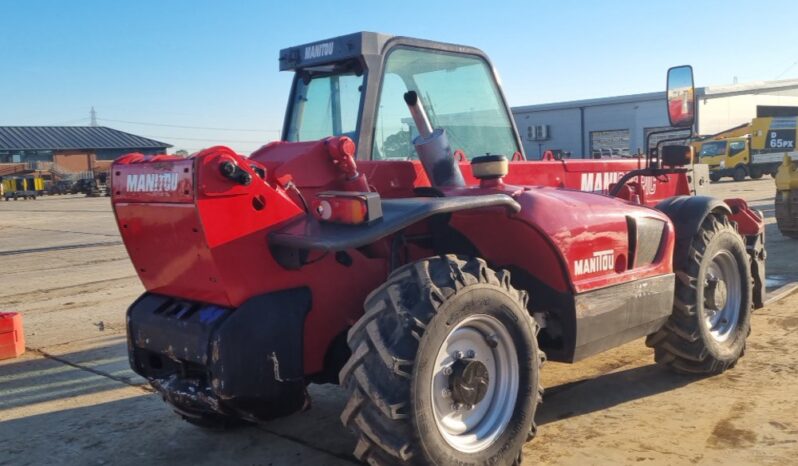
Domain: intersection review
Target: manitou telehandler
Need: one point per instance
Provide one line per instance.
(397, 241)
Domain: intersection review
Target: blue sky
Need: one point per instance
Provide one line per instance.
(214, 63)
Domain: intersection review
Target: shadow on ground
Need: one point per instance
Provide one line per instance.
(608, 390)
(37, 379)
(141, 430)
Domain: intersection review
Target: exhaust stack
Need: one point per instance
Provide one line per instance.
(432, 147)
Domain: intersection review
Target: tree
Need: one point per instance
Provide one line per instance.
(398, 145)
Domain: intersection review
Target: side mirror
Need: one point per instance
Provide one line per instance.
(677, 156)
(681, 96)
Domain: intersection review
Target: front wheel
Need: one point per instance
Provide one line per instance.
(711, 316)
(740, 173)
(444, 367)
(714, 177)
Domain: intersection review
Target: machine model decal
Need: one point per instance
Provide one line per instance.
(324, 49)
(152, 182)
(600, 262)
(781, 139)
(600, 182)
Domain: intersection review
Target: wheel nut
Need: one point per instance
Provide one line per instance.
(457, 355)
(470, 354)
(456, 406)
(446, 393)
(447, 371)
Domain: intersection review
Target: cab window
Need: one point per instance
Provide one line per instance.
(459, 94)
(736, 147)
(326, 103)
(711, 149)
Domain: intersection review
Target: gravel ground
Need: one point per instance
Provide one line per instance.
(72, 398)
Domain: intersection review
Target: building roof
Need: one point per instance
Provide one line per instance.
(72, 138)
(709, 92)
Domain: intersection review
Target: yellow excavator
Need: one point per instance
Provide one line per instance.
(787, 198)
(749, 150)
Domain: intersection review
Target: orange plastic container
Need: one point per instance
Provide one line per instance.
(12, 338)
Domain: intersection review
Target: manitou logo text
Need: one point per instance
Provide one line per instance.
(600, 182)
(152, 182)
(600, 262)
(319, 50)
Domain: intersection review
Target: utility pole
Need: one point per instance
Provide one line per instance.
(93, 116)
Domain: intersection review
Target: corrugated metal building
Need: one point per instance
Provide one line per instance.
(70, 148)
(619, 125)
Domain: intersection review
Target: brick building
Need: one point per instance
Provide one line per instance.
(67, 149)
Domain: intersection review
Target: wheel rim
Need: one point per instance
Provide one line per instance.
(722, 296)
(484, 344)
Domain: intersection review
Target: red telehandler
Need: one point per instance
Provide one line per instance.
(396, 241)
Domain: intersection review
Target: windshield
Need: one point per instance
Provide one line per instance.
(711, 149)
(325, 105)
(459, 94)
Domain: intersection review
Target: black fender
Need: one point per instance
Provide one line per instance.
(307, 233)
(687, 214)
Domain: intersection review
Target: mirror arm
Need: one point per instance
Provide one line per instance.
(649, 153)
(649, 156)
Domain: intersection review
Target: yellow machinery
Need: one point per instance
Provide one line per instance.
(22, 187)
(753, 149)
(787, 198)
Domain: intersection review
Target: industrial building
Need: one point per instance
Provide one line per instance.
(67, 149)
(617, 126)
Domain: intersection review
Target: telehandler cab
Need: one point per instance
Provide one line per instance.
(397, 241)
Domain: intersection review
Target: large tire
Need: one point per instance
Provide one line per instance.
(740, 173)
(396, 405)
(711, 316)
(756, 173)
(714, 177)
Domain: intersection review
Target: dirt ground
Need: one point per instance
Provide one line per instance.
(72, 398)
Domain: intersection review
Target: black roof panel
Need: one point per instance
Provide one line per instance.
(332, 50)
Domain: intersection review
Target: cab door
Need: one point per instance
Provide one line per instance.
(737, 153)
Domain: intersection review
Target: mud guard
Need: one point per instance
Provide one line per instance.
(307, 233)
(688, 213)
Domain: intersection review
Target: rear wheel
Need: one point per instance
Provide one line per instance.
(444, 367)
(714, 177)
(712, 308)
(756, 173)
(740, 173)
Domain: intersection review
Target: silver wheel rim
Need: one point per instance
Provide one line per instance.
(722, 296)
(485, 339)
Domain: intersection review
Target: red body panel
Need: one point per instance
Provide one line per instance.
(557, 229)
(397, 178)
(214, 248)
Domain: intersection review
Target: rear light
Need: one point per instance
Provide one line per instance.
(346, 207)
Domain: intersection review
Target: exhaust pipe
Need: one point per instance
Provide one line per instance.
(432, 147)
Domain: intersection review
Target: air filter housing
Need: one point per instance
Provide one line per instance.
(489, 167)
